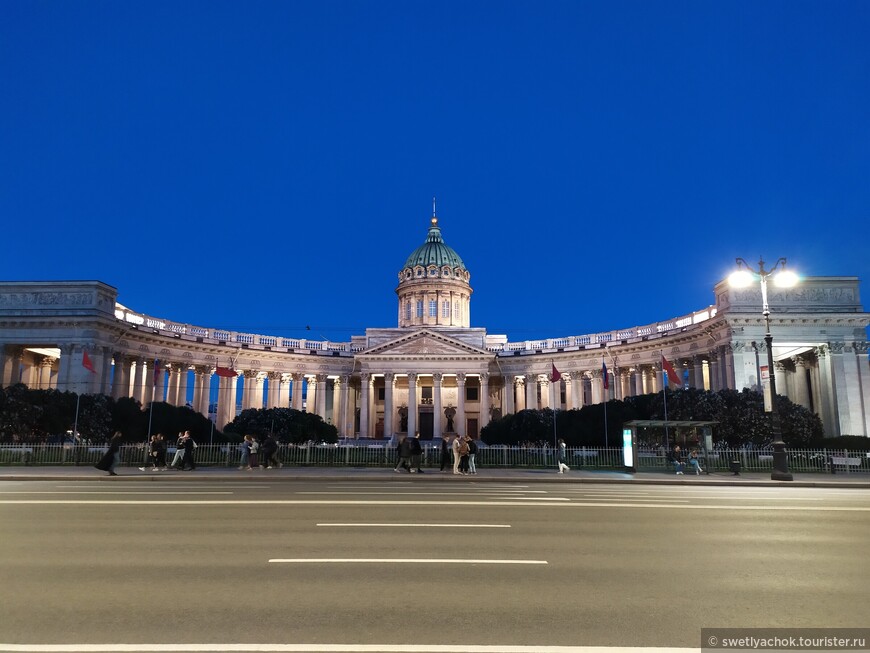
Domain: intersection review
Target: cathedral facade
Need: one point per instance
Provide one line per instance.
(435, 373)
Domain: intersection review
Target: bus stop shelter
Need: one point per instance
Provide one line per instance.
(660, 439)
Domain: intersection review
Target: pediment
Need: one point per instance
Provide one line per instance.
(423, 344)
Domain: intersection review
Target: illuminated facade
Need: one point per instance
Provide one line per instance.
(435, 373)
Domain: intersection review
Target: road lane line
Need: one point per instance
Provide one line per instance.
(111, 491)
(454, 504)
(422, 525)
(331, 648)
(416, 561)
(513, 498)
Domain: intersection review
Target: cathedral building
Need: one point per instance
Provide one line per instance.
(435, 373)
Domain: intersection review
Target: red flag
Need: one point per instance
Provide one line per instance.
(227, 372)
(604, 376)
(555, 376)
(673, 377)
(86, 362)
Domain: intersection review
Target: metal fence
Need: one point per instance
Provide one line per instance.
(384, 455)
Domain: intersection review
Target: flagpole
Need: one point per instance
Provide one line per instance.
(665, 382)
(76, 422)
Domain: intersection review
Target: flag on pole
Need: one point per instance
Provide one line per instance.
(158, 370)
(86, 362)
(604, 376)
(555, 376)
(672, 375)
(227, 372)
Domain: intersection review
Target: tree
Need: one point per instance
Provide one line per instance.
(285, 424)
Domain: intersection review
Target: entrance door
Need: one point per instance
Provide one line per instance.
(471, 425)
(427, 425)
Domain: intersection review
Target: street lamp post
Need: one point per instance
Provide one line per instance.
(783, 278)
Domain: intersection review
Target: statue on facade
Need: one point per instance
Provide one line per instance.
(403, 419)
(450, 413)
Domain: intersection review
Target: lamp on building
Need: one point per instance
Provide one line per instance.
(744, 276)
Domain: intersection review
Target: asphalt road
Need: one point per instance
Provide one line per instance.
(420, 564)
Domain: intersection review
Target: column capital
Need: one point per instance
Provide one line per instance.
(321, 378)
(484, 377)
(251, 374)
(460, 378)
(365, 377)
(297, 377)
(412, 379)
(203, 369)
(519, 383)
(273, 376)
(389, 377)
(566, 376)
(437, 377)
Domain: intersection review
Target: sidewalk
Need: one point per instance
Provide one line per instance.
(387, 475)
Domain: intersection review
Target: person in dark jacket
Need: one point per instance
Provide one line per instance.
(404, 451)
(445, 452)
(189, 445)
(112, 457)
(270, 452)
(416, 453)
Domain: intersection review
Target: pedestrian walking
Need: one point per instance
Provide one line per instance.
(152, 454)
(404, 452)
(254, 459)
(178, 459)
(187, 462)
(270, 452)
(112, 457)
(245, 448)
(562, 457)
(416, 453)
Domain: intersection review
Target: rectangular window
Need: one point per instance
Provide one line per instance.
(445, 308)
(419, 308)
(382, 392)
(456, 309)
(407, 310)
(433, 308)
(471, 393)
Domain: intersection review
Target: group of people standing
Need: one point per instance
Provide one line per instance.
(460, 449)
(252, 448)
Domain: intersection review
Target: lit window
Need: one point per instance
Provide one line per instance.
(419, 308)
(433, 308)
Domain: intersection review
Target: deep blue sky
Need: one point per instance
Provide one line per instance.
(263, 166)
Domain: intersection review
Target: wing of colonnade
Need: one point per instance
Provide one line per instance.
(75, 336)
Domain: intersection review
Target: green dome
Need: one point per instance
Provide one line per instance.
(434, 252)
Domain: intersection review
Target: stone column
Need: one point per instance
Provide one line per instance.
(17, 355)
(320, 406)
(827, 406)
(460, 401)
(141, 383)
(160, 387)
(297, 391)
(105, 370)
(248, 377)
(509, 402)
(311, 394)
(273, 394)
(44, 380)
(172, 386)
(412, 404)
(544, 385)
(597, 387)
(347, 427)
(637, 377)
(365, 391)
(182, 383)
(573, 390)
(850, 397)
(483, 420)
(437, 427)
(339, 388)
(531, 391)
(520, 390)
(202, 391)
(715, 381)
(284, 391)
(861, 349)
(389, 381)
(118, 375)
(4, 366)
(801, 387)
